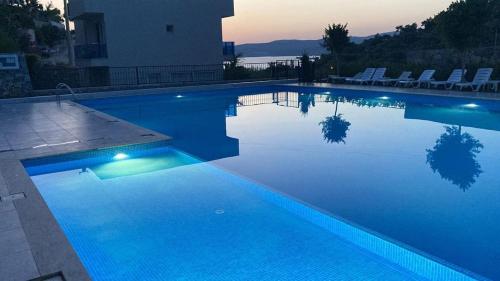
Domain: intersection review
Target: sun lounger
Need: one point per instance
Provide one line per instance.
(365, 76)
(455, 77)
(480, 80)
(378, 75)
(405, 76)
(424, 80)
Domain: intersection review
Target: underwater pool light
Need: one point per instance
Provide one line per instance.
(179, 96)
(471, 105)
(120, 156)
(385, 98)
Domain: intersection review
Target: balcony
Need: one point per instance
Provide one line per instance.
(228, 49)
(91, 51)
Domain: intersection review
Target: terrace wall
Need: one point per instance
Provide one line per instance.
(15, 82)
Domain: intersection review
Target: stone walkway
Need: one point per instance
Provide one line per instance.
(31, 243)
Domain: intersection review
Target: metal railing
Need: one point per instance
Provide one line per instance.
(49, 77)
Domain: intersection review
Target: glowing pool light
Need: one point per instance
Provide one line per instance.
(120, 156)
(179, 96)
(471, 105)
(385, 98)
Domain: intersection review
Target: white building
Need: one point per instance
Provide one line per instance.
(140, 33)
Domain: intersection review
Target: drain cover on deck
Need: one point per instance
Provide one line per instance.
(13, 197)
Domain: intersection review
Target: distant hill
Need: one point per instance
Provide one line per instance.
(291, 47)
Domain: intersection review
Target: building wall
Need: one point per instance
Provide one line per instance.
(136, 30)
(15, 82)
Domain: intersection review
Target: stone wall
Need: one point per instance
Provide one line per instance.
(15, 82)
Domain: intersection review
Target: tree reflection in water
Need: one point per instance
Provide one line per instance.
(335, 127)
(454, 157)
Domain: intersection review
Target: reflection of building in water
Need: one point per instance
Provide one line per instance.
(197, 125)
(454, 116)
(286, 99)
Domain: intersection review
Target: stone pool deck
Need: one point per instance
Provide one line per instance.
(32, 245)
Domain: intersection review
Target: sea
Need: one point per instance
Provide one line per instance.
(267, 59)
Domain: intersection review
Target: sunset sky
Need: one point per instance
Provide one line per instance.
(267, 20)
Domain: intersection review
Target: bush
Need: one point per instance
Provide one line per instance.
(7, 44)
(307, 69)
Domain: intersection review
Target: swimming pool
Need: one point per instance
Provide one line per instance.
(418, 171)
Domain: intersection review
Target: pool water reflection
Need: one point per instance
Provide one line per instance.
(419, 170)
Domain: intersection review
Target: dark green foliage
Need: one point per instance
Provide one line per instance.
(49, 35)
(462, 25)
(307, 69)
(336, 40)
(234, 71)
(18, 16)
(33, 62)
(7, 44)
(454, 157)
(466, 33)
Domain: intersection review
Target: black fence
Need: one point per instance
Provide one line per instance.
(49, 77)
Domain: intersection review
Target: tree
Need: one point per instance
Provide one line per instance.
(307, 69)
(18, 16)
(7, 44)
(335, 40)
(494, 24)
(49, 34)
(454, 157)
(462, 24)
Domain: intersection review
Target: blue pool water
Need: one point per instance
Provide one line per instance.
(160, 214)
(418, 171)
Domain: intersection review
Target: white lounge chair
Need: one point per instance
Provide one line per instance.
(424, 79)
(336, 78)
(378, 75)
(455, 77)
(405, 76)
(480, 80)
(366, 76)
(494, 85)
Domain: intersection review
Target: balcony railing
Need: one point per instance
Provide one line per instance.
(91, 51)
(228, 49)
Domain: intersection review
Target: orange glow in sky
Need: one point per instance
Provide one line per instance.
(267, 20)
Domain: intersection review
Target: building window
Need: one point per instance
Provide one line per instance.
(170, 28)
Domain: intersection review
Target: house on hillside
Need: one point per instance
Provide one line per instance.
(144, 40)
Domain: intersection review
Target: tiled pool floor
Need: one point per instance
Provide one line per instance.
(201, 224)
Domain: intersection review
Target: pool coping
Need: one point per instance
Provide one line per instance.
(491, 96)
(50, 248)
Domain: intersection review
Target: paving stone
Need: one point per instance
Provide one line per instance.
(19, 266)
(13, 241)
(9, 221)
